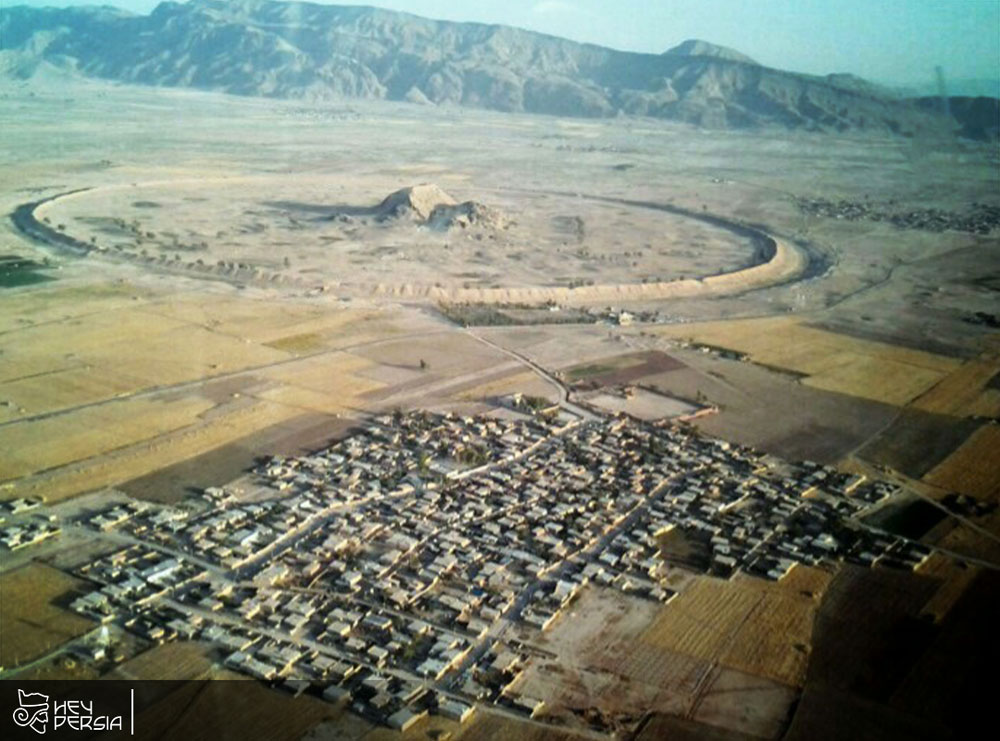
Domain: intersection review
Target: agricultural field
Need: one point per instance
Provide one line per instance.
(964, 649)
(178, 660)
(490, 726)
(756, 627)
(889, 604)
(621, 370)
(955, 580)
(120, 401)
(824, 712)
(981, 543)
(974, 468)
(773, 411)
(32, 447)
(830, 361)
(138, 459)
(671, 727)
(916, 441)
(205, 711)
(970, 391)
(34, 613)
(642, 404)
(525, 382)
(618, 655)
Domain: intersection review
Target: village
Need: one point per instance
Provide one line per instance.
(392, 569)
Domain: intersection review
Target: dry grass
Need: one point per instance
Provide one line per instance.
(830, 361)
(525, 382)
(451, 353)
(143, 458)
(974, 468)
(877, 378)
(155, 361)
(754, 626)
(57, 302)
(62, 389)
(335, 375)
(964, 392)
(32, 622)
(39, 445)
(58, 357)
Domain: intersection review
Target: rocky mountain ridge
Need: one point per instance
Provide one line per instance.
(317, 52)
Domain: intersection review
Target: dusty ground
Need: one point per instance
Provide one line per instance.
(624, 656)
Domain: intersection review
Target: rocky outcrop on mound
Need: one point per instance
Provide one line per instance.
(417, 202)
(468, 214)
(427, 204)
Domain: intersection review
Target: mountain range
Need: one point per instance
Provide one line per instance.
(310, 51)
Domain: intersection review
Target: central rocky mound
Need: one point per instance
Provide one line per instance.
(418, 202)
(427, 204)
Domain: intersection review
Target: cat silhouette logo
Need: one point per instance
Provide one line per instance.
(33, 711)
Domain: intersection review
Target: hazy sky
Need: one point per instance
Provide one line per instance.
(897, 41)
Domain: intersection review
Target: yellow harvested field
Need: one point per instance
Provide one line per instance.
(64, 389)
(35, 446)
(144, 458)
(14, 367)
(157, 361)
(757, 627)
(32, 623)
(974, 468)
(964, 392)
(71, 424)
(91, 332)
(261, 321)
(524, 382)
(831, 361)
(56, 303)
(335, 374)
(876, 378)
(73, 360)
